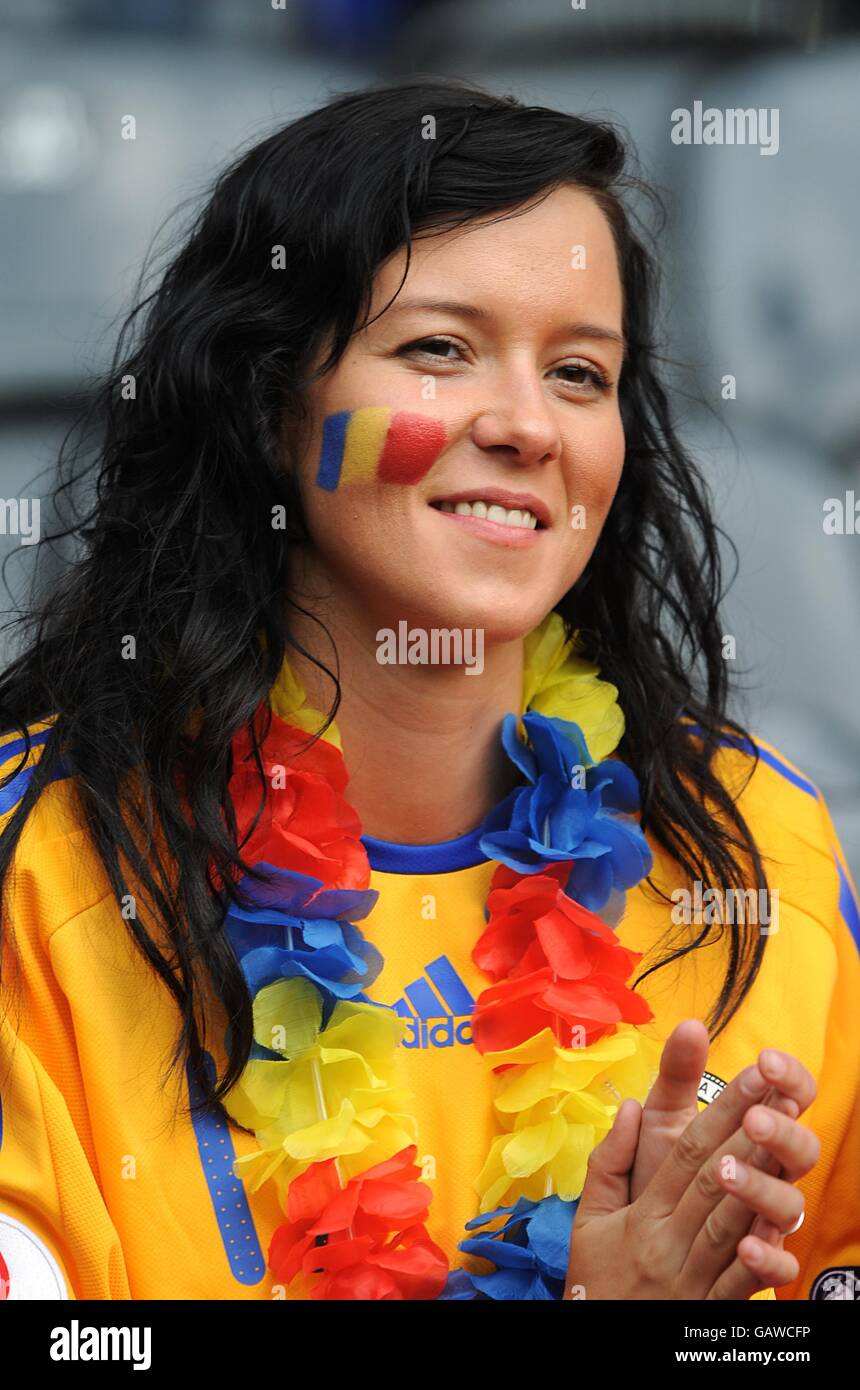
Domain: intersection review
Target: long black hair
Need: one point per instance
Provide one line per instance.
(176, 546)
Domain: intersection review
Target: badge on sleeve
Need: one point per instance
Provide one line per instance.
(27, 1267)
(832, 1284)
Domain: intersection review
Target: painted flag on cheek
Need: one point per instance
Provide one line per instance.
(377, 444)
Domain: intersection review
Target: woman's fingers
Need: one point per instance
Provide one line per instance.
(786, 1141)
(682, 1062)
(757, 1266)
(736, 1218)
(766, 1231)
(760, 1158)
(724, 1174)
(801, 1154)
(791, 1151)
(773, 1198)
(672, 1100)
(707, 1132)
(607, 1178)
(761, 1193)
(789, 1076)
(788, 1106)
(728, 1222)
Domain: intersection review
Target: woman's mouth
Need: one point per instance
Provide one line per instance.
(502, 523)
(493, 511)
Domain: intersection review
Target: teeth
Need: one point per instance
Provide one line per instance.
(492, 512)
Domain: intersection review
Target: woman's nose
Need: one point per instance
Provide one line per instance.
(520, 421)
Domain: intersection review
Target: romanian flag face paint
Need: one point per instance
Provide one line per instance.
(378, 445)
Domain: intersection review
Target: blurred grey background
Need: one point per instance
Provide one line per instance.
(759, 253)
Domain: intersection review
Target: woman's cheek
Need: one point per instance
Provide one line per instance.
(377, 445)
(593, 482)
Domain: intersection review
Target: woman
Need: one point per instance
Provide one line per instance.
(329, 976)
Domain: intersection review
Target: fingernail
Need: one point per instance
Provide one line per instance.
(754, 1254)
(753, 1083)
(761, 1126)
(772, 1062)
(739, 1175)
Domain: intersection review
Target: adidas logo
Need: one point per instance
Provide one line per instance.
(437, 1006)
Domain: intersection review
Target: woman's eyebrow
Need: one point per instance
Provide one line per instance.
(441, 306)
(474, 311)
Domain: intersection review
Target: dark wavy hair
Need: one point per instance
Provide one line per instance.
(176, 545)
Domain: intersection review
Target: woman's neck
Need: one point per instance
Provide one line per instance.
(421, 742)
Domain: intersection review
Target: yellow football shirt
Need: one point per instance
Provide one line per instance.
(107, 1192)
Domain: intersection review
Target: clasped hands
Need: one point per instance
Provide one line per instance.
(679, 1204)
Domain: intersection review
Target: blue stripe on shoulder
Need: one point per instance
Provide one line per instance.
(748, 746)
(12, 793)
(229, 1200)
(848, 908)
(15, 790)
(18, 745)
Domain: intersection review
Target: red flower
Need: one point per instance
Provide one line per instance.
(306, 825)
(375, 1245)
(285, 744)
(555, 961)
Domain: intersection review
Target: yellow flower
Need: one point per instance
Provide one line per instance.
(556, 1104)
(562, 685)
(289, 701)
(334, 1094)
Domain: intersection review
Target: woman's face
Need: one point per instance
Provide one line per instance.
(492, 378)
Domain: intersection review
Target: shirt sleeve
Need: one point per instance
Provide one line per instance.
(827, 1245)
(57, 1240)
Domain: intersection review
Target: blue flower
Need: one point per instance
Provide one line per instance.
(530, 1251)
(291, 928)
(551, 821)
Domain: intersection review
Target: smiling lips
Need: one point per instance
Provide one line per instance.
(511, 519)
(497, 504)
(498, 524)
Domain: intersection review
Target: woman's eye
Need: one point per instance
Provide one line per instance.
(432, 347)
(598, 379)
(446, 350)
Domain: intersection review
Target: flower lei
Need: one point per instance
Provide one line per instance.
(557, 1027)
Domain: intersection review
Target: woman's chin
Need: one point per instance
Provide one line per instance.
(500, 617)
